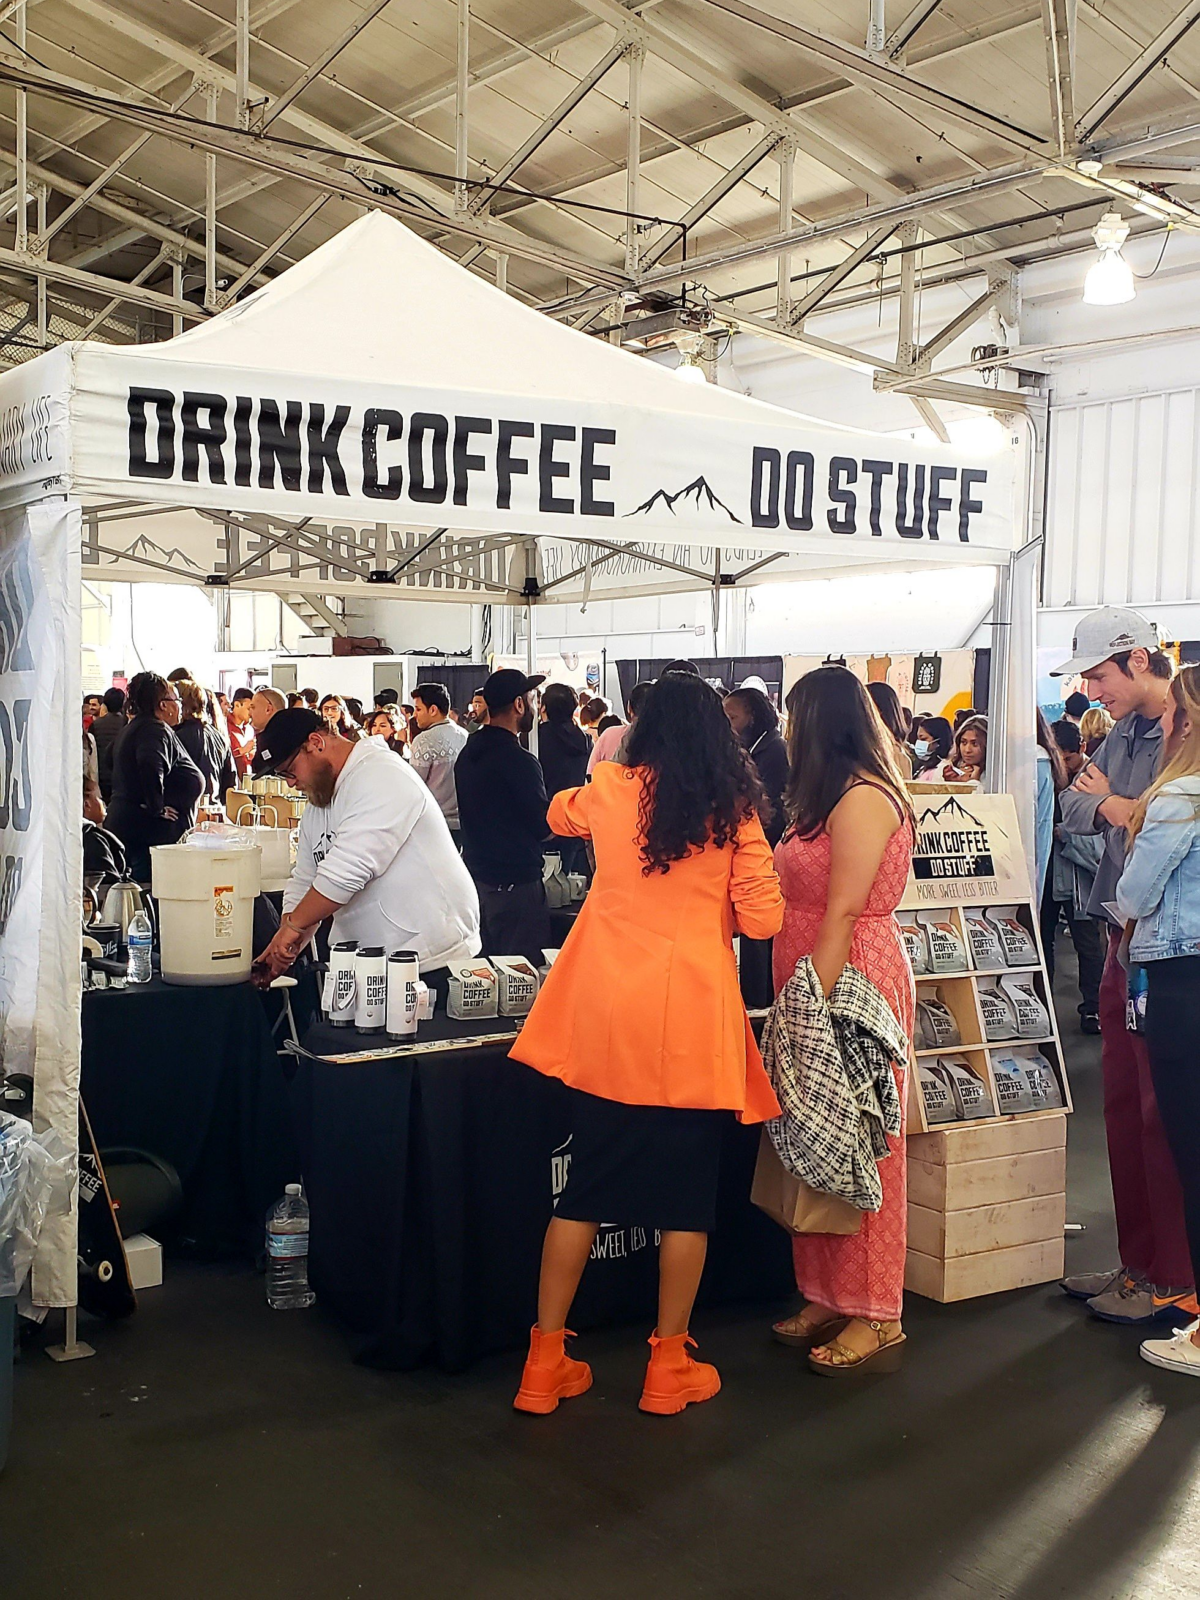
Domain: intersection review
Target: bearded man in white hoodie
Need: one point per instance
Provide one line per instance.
(373, 851)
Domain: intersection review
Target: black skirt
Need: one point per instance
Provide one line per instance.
(645, 1166)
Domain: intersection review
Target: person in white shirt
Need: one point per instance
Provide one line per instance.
(437, 747)
(373, 851)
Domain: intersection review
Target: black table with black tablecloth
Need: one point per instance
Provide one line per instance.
(191, 1075)
(431, 1174)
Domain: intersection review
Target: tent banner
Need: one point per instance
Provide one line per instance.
(173, 432)
(41, 866)
(35, 446)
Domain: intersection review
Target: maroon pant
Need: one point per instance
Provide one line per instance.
(1147, 1198)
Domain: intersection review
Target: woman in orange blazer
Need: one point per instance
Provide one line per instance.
(642, 1017)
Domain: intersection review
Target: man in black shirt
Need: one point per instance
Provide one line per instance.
(502, 817)
(105, 730)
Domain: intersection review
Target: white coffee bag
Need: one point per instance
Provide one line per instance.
(916, 945)
(983, 940)
(1012, 1084)
(517, 985)
(971, 1096)
(1033, 1020)
(938, 1096)
(947, 952)
(1016, 941)
(999, 1018)
(473, 990)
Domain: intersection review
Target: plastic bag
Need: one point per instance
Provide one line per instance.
(37, 1178)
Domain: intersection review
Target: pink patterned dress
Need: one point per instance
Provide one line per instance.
(861, 1274)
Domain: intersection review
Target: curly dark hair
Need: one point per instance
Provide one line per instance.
(145, 691)
(702, 785)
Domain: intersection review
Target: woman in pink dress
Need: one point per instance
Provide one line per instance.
(843, 864)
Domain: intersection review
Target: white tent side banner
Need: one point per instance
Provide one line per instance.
(41, 775)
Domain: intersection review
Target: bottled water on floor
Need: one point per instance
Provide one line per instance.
(287, 1253)
(141, 940)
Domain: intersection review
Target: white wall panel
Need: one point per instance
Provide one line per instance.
(1122, 521)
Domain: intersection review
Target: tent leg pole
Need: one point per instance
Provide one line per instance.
(72, 1348)
(22, 219)
(210, 213)
(997, 767)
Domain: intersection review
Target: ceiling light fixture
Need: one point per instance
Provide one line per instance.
(1109, 280)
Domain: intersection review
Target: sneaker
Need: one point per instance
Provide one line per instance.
(1138, 1301)
(1089, 1022)
(1087, 1285)
(1176, 1354)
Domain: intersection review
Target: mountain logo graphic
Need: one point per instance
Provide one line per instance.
(951, 843)
(145, 546)
(698, 493)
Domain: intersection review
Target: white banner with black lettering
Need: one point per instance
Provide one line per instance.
(189, 434)
(41, 867)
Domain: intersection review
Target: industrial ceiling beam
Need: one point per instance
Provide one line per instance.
(1058, 22)
(327, 56)
(859, 67)
(547, 126)
(841, 272)
(56, 272)
(105, 312)
(282, 159)
(899, 39)
(1155, 52)
(712, 197)
(227, 296)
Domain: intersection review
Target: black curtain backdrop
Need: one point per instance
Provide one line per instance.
(730, 670)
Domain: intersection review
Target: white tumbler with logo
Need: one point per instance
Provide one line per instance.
(403, 975)
(370, 981)
(342, 985)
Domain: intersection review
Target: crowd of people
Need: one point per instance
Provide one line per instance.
(699, 815)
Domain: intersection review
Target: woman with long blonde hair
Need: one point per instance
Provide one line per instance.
(1159, 894)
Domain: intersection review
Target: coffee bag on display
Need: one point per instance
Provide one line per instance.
(1012, 1084)
(1016, 942)
(517, 985)
(916, 945)
(938, 1027)
(472, 990)
(947, 952)
(983, 940)
(1044, 1091)
(938, 1096)
(999, 1018)
(1033, 1020)
(549, 957)
(426, 1001)
(972, 1098)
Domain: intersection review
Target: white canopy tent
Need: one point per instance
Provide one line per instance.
(378, 416)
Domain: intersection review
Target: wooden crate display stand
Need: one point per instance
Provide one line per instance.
(986, 1198)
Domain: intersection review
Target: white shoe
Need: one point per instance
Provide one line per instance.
(1176, 1354)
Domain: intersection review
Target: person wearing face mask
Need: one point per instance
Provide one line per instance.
(502, 817)
(373, 852)
(931, 746)
(1116, 653)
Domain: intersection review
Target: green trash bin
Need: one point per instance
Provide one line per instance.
(8, 1308)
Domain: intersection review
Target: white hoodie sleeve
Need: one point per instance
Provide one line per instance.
(303, 872)
(373, 818)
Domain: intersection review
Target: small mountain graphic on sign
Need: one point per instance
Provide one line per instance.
(145, 546)
(698, 492)
(952, 807)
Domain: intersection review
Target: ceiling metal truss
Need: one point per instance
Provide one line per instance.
(297, 145)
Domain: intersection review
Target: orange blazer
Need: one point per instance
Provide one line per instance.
(643, 1005)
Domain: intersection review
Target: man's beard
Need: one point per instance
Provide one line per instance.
(320, 785)
(527, 720)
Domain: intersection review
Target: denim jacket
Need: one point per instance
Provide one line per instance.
(1160, 885)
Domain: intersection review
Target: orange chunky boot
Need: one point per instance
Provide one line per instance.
(550, 1375)
(673, 1379)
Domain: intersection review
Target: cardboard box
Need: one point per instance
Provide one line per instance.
(145, 1258)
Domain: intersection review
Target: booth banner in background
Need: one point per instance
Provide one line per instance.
(41, 866)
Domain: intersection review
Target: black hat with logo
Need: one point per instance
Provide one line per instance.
(507, 685)
(283, 736)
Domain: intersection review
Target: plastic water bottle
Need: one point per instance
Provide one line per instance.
(287, 1253)
(141, 942)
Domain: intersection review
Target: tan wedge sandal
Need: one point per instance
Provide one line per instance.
(843, 1361)
(816, 1333)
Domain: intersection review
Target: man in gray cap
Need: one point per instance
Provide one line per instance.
(1117, 654)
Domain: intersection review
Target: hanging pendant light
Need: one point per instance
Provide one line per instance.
(691, 358)
(1109, 280)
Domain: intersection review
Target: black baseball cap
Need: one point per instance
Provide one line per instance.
(283, 736)
(507, 685)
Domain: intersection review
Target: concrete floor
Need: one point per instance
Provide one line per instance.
(214, 1449)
